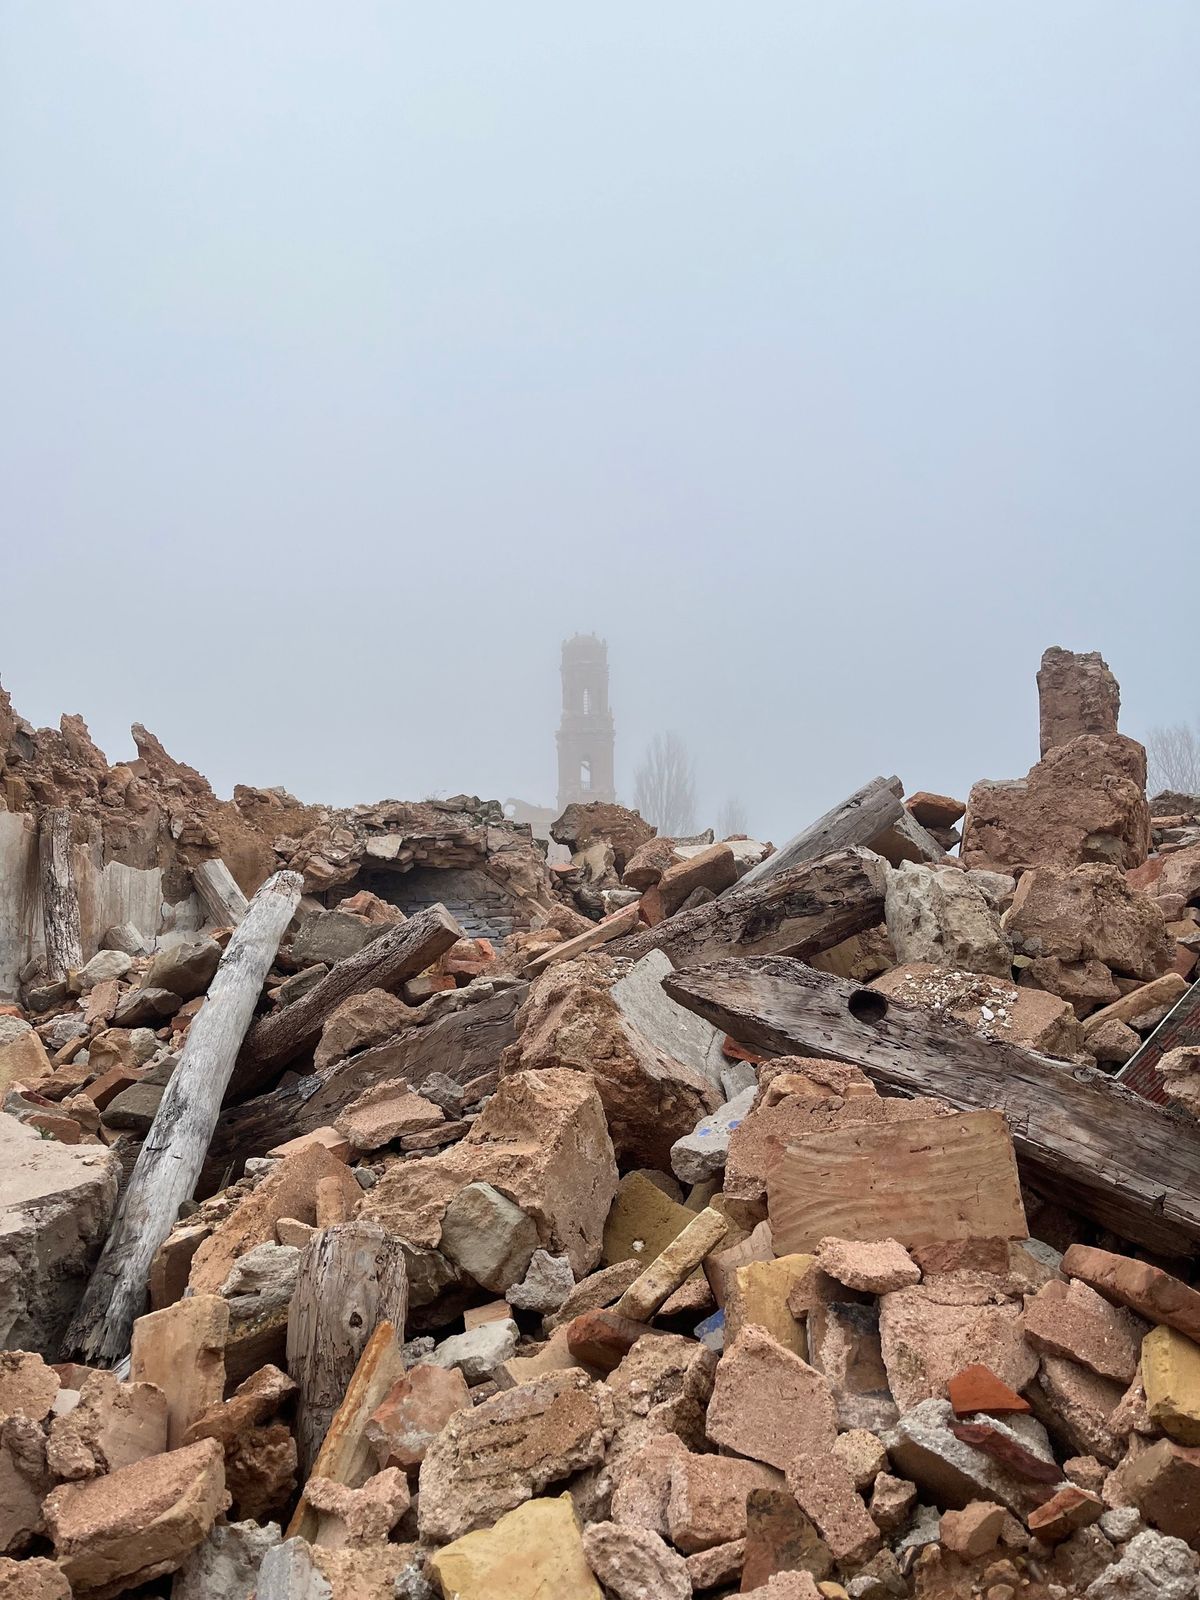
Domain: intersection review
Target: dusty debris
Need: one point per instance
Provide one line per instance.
(766, 1327)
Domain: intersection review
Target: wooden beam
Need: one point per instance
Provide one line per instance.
(352, 1278)
(463, 1043)
(173, 1153)
(61, 929)
(1079, 1136)
(387, 962)
(1180, 1026)
(859, 819)
(219, 894)
(800, 912)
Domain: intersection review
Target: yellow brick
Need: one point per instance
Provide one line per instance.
(759, 1294)
(1171, 1375)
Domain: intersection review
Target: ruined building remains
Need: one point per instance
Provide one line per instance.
(585, 734)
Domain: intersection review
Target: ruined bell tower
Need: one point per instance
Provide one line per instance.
(585, 734)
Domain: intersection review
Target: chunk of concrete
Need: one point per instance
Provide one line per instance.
(56, 1203)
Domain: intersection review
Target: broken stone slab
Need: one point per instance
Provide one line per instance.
(533, 1551)
(56, 1204)
(1163, 1482)
(942, 917)
(825, 1492)
(116, 1532)
(780, 1538)
(706, 1504)
(181, 1350)
(542, 1140)
(642, 1221)
(360, 1021)
(28, 1386)
(1083, 801)
(488, 1237)
(1079, 1408)
(111, 1426)
(226, 1565)
(547, 1282)
(757, 1294)
(1170, 1369)
(501, 1453)
(768, 1404)
(1070, 1319)
(413, 1413)
(479, 1352)
(928, 1330)
(923, 1448)
(701, 1154)
(634, 1563)
(23, 1060)
(574, 1018)
(1139, 1285)
(876, 1266)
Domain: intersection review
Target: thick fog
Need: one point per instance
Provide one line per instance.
(830, 360)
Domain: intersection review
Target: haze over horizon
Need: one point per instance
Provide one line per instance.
(830, 361)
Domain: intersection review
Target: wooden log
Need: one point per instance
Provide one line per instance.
(352, 1278)
(385, 963)
(1080, 1137)
(346, 1454)
(61, 928)
(172, 1155)
(1180, 1026)
(800, 912)
(859, 819)
(612, 927)
(219, 894)
(463, 1043)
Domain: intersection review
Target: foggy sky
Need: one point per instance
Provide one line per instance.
(830, 360)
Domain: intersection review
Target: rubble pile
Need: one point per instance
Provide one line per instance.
(386, 1213)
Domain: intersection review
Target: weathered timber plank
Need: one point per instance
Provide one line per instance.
(463, 1043)
(800, 912)
(919, 1182)
(172, 1156)
(858, 819)
(1081, 1137)
(61, 930)
(352, 1278)
(385, 963)
(612, 927)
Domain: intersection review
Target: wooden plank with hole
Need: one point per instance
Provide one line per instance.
(1081, 1138)
(919, 1182)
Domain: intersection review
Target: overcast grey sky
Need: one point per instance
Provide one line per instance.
(829, 359)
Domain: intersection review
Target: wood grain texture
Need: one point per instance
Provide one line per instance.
(858, 819)
(345, 1456)
(799, 912)
(385, 963)
(464, 1044)
(219, 894)
(919, 1182)
(174, 1149)
(1079, 1136)
(61, 929)
(352, 1278)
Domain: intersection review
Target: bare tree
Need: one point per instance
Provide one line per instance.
(731, 818)
(1174, 758)
(665, 786)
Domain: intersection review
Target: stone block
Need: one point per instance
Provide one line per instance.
(1072, 1320)
(927, 1331)
(635, 1563)
(941, 916)
(876, 1266)
(112, 1426)
(768, 1404)
(488, 1237)
(531, 1552)
(757, 1295)
(181, 1350)
(122, 1530)
(1163, 1482)
(707, 1501)
(825, 1492)
(1171, 1378)
(974, 1530)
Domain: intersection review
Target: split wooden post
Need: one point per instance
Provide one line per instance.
(61, 928)
(219, 894)
(170, 1160)
(385, 963)
(1082, 1139)
(352, 1278)
(859, 819)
